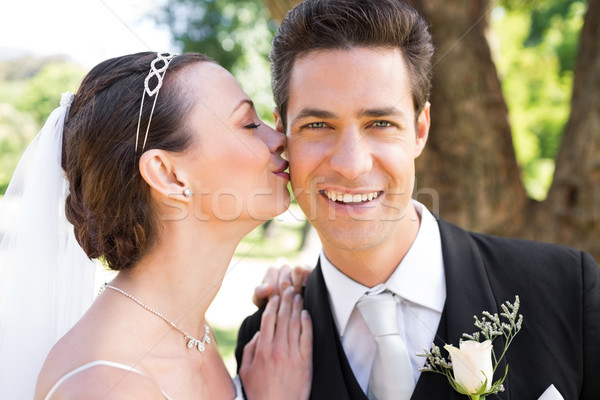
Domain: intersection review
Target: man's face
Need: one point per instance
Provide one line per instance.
(352, 143)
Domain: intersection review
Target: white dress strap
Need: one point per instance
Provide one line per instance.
(90, 365)
(239, 392)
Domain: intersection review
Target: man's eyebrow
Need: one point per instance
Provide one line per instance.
(313, 113)
(382, 112)
(371, 113)
(244, 102)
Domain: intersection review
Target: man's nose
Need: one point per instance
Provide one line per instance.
(351, 157)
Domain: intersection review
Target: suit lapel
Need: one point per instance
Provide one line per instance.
(468, 292)
(332, 374)
(430, 385)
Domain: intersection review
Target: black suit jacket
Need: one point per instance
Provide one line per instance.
(559, 343)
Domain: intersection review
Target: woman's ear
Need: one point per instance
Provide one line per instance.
(158, 170)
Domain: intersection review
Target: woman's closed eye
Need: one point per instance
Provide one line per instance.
(253, 125)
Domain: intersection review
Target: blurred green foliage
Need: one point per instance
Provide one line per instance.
(25, 67)
(16, 131)
(42, 92)
(236, 34)
(535, 53)
(275, 239)
(226, 340)
(31, 89)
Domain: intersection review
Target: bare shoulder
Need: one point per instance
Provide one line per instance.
(58, 363)
(85, 342)
(107, 382)
(72, 351)
(88, 371)
(96, 336)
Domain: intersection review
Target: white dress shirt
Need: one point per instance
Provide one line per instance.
(418, 280)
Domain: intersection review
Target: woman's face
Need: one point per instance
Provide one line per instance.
(235, 164)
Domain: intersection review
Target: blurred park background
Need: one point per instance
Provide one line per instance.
(515, 141)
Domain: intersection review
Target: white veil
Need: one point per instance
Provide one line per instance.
(46, 280)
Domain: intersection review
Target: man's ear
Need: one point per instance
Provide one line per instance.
(158, 170)
(279, 128)
(278, 121)
(422, 131)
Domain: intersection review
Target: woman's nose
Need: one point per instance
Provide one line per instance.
(275, 141)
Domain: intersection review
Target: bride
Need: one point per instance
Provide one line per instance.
(168, 168)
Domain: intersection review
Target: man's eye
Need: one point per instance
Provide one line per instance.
(252, 126)
(382, 124)
(316, 125)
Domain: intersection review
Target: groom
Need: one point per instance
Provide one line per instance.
(351, 82)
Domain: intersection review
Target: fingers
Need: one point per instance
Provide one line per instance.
(269, 317)
(299, 276)
(282, 353)
(268, 287)
(306, 336)
(295, 324)
(285, 279)
(276, 280)
(262, 294)
(283, 319)
(249, 351)
(271, 276)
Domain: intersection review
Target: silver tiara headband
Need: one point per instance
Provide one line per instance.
(163, 59)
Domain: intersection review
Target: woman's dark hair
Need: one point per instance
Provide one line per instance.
(316, 25)
(109, 203)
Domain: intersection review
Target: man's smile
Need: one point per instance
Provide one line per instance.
(343, 197)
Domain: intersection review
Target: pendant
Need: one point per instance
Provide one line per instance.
(200, 345)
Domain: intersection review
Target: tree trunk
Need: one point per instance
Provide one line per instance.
(470, 160)
(468, 172)
(571, 213)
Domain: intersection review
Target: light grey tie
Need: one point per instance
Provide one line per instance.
(391, 373)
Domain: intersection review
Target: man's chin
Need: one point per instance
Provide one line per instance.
(354, 238)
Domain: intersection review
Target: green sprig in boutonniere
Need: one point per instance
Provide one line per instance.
(469, 369)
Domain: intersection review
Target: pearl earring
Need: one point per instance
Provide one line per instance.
(187, 192)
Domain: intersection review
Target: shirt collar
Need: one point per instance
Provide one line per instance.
(419, 278)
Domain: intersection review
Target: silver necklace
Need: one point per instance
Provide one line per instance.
(191, 341)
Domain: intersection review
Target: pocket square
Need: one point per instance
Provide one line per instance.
(551, 394)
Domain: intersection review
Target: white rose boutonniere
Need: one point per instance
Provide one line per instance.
(472, 365)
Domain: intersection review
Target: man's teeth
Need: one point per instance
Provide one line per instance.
(351, 198)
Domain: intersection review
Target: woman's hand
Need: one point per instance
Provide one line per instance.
(276, 280)
(277, 362)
